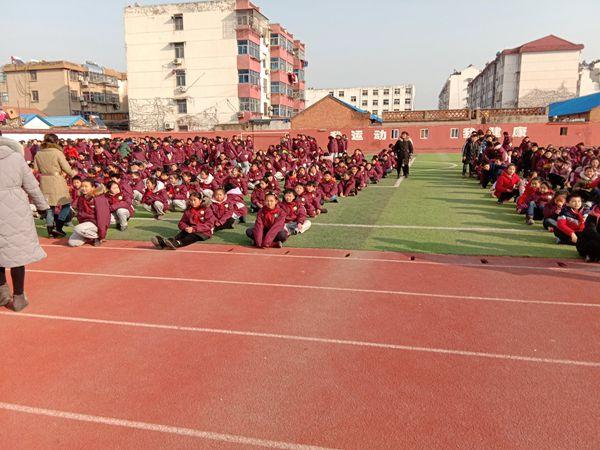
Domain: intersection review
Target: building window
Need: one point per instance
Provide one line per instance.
(249, 77)
(33, 75)
(407, 101)
(365, 103)
(249, 104)
(453, 133)
(386, 102)
(331, 93)
(564, 131)
(365, 93)
(179, 49)
(375, 102)
(178, 21)
(397, 91)
(395, 134)
(74, 96)
(2, 77)
(183, 128)
(341, 94)
(246, 47)
(181, 105)
(396, 101)
(353, 99)
(282, 88)
(180, 78)
(408, 91)
(35, 96)
(283, 65)
(424, 133)
(396, 109)
(3, 97)
(73, 75)
(386, 110)
(375, 111)
(375, 91)
(386, 92)
(282, 111)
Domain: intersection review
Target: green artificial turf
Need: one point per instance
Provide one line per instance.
(435, 195)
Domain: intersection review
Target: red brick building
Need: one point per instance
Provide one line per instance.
(330, 112)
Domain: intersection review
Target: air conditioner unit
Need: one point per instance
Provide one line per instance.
(85, 83)
(181, 89)
(81, 99)
(80, 78)
(84, 103)
(178, 61)
(169, 126)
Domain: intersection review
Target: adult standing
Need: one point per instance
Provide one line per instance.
(19, 244)
(404, 150)
(52, 165)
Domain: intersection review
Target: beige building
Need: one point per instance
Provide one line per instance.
(3, 89)
(455, 93)
(193, 66)
(62, 88)
(535, 74)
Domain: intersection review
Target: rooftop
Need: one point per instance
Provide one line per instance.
(548, 43)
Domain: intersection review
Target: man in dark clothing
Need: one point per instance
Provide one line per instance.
(404, 150)
(469, 154)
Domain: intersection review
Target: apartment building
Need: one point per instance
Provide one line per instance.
(192, 66)
(535, 74)
(63, 88)
(3, 89)
(375, 99)
(455, 93)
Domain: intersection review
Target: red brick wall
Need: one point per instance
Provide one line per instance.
(329, 113)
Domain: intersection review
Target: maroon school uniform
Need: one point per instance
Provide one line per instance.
(200, 219)
(222, 212)
(150, 197)
(269, 223)
(294, 212)
(328, 188)
(118, 201)
(177, 192)
(236, 199)
(258, 197)
(95, 210)
(347, 187)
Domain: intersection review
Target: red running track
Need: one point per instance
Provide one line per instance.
(230, 347)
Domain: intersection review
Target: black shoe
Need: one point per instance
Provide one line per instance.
(158, 242)
(170, 244)
(242, 219)
(97, 243)
(50, 231)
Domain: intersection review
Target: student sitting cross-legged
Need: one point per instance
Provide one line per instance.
(269, 229)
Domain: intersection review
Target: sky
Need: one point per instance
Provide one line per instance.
(349, 42)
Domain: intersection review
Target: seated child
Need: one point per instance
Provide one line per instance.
(295, 218)
(207, 183)
(222, 210)
(588, 244)
(506, 185)
(347, 185)
(313, 197)
(257, 199)
(121, 208)
(155, 199)
(93, 215)
(529, 191)
(535, 209)
(269, 229)
(196, 225)
(236, 198)
(329, 188)
(570, 222)
(552, 210)
(178, 193)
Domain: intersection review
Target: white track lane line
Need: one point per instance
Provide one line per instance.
(168, 429)
(288, 337)
(317, 288)
(580, 266)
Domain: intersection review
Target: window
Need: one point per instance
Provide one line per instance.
(396, 101)
(408, 90)
(73, 75)
(564, 131)
(375, 91)
(2, 77)
(341, 94)
(395, 134)
(282, 111)
(365, 93)
(386, 110)
(365, 103)
(178, 21)
(283, 65)
(179, 51)
(274, 40)
(386, 102)
(375, 111)
(180, 78)
(353, 99)
(247, 47)
(331, 92)
(282, 88)
(249, 77)
(183, 128)
(74, 96)
(386, 92)
(250, 104)
(3, 97)
(396, 109)
(33, 75)
(407, 101)
(35, 96)
(453, 133)
(425, 133)
(397, 91)
(181, 105)
(375, 102)
(300, 74)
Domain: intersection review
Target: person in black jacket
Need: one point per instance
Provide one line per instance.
(588, 243)
(469, 154)
(404, 150)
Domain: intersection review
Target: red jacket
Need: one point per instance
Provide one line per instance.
(150, 197)
(329, 188)
(570, 221)
(258, 197)
(222, 212)
(269, 222)
(200, 219)
(119, 201)
(294, 212)
(177, 192)
(95, 210)
(506, 183)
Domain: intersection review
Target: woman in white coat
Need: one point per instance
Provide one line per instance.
(19, 244)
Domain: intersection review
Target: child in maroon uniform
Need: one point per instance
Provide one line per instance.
(506, 186)
(347, 185)
(121, 208)
(552, 210)
(295, 218)
(178, 192)
(329, 188)
(222, 210)
(257, 199)
(155, 200)
(535, 209)
(196, 225)
(269, 229)
(570, 222)
(93, 215)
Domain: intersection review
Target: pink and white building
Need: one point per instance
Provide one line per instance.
(196, 65)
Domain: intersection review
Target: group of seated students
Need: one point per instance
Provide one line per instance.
(558, 186)
(215, 183)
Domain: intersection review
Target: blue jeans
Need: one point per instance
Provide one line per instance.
(534, 210)
(63, 215)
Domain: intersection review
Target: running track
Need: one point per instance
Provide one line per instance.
(231, 347)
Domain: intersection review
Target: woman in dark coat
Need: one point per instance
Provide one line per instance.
(404, 150)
